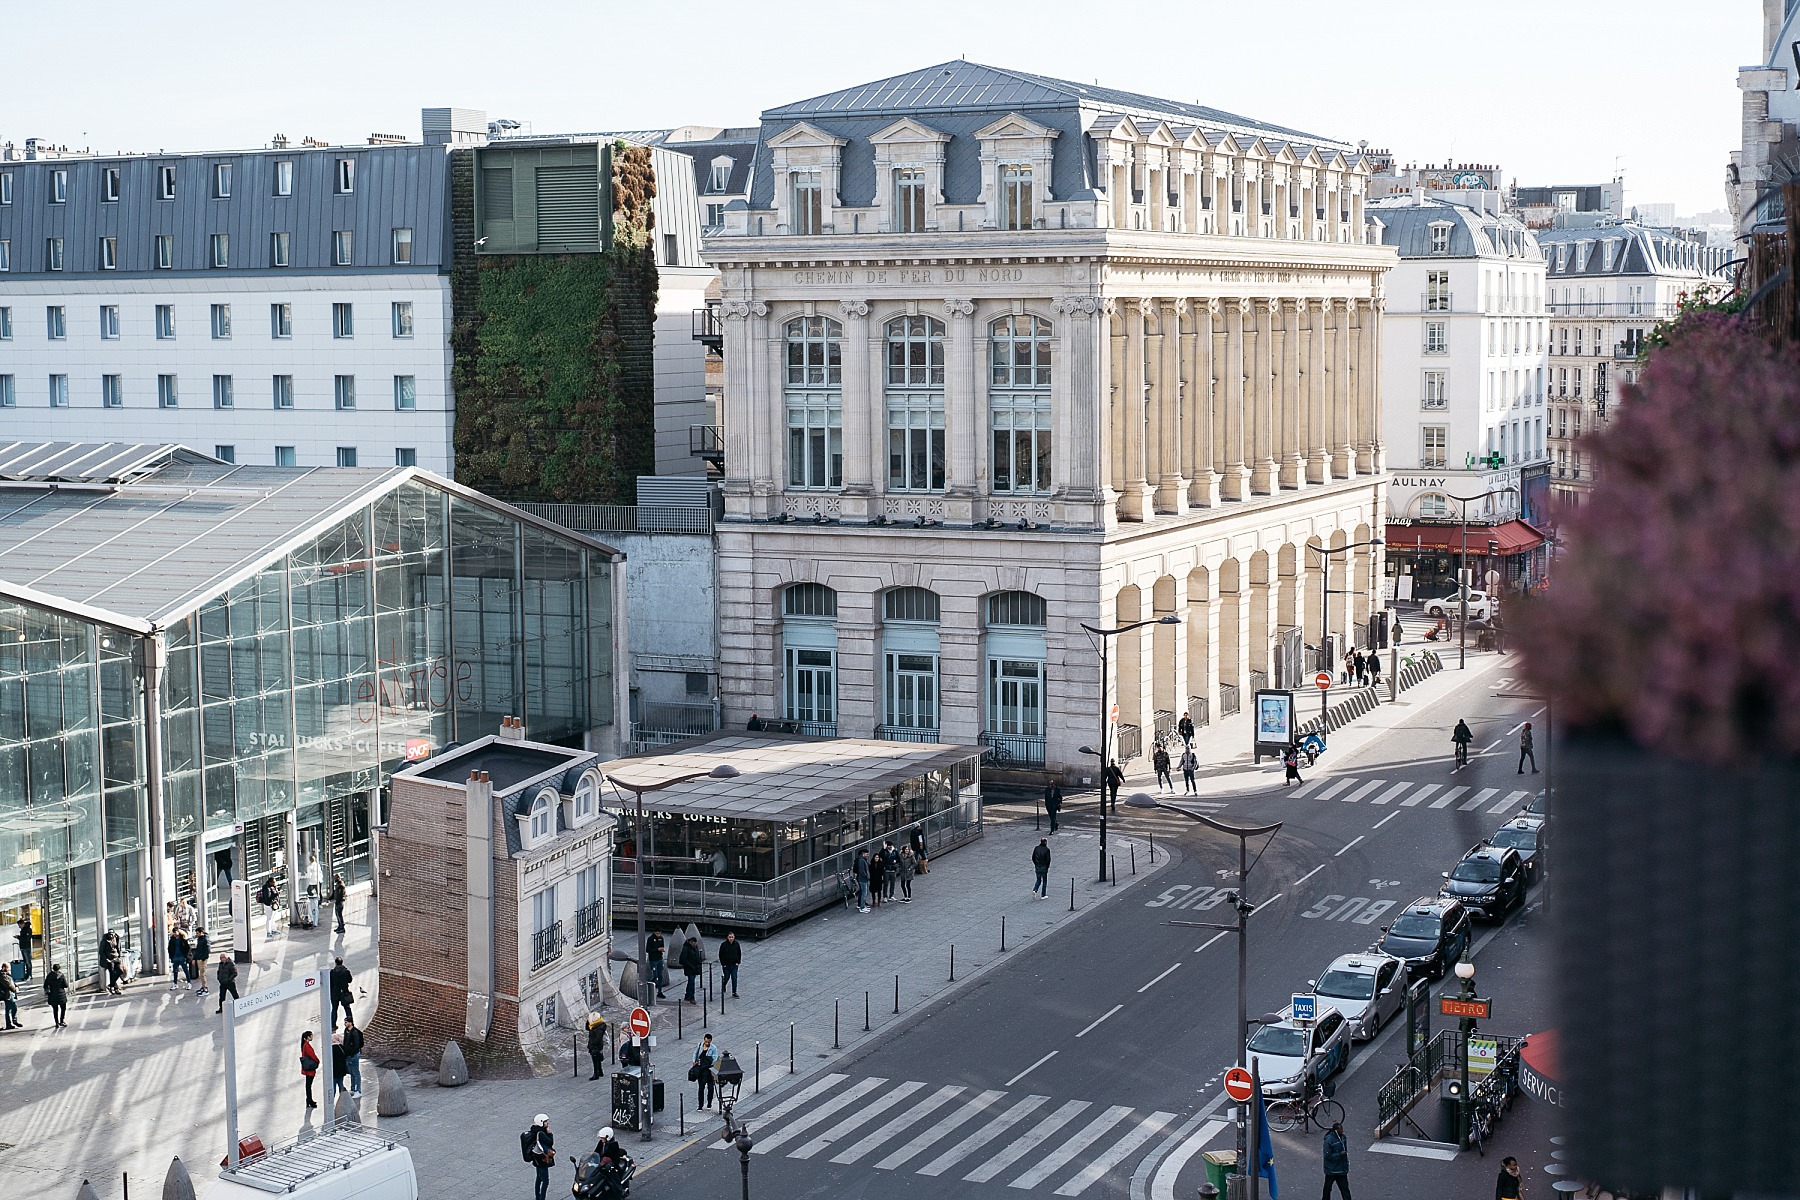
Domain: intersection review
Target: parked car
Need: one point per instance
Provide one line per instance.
(1290, 1056)
(1428, 936)
(1489, 882)
(1480, 606)
(1366, 988)
(1526, 835)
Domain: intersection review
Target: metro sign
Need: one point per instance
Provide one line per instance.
(1479, 1009)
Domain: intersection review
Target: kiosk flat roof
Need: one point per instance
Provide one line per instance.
(780, 778)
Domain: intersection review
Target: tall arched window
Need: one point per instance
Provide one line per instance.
(1015, 652)
(815, 408)
(1432, 504)
(809, 656)
(1019, 403)
(909, 653)
(915, 404)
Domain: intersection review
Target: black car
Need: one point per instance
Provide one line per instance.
(1429, 936)
(1489, 881)
(1527, 837)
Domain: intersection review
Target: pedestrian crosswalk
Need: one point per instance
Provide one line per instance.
(1409, 794)
(1022, 1140)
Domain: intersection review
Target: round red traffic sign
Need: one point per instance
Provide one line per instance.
(1322, 680)
(640, 1022)
(1238, 1084)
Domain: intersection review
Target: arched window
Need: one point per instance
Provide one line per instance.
(809, 600)
(1019, 403)
(809, 656)
(543, 814)
(1017, 608)
(1015, 652)
(814, 394)
(909, 604)
(1432, 504)
(587, 794)
(915, 404)
(909, 654)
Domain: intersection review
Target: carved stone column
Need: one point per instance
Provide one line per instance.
(1079, 446)
(1368, 429)
(743, 416)
(1134, 500)
(1200, 401)
(1155, 427)
(861, 401)
(960, 425)
(1343, 457)
(1262, 400)
(1171, 483)
(1236, 484)
(1115, 406)
(1293, 393)
(1318, 458)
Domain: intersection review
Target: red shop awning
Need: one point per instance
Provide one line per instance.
(1515, 537)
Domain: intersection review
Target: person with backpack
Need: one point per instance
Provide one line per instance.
(309, 1060)
(268, 895)
(1460, 737)
(112, 967)
(1052, 802)
(340, 990)
(701, 1070)
(1290, 759)
(1527, 749)
(538, 1145)
(1040, 862)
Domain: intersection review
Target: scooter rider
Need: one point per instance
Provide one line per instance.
(606, 1175)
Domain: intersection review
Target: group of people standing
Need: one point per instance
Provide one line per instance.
(887, 870)
(692, 961)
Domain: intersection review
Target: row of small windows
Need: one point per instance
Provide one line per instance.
(281, 321)
(223, 175)
(1019, 403)
(343, 250)
(224, 392)
(807, 194)
(816, 601)
(289, 456)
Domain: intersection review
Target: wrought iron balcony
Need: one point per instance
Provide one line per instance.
(907, 733)
(590, 922)
(709, 326)
(546, 946)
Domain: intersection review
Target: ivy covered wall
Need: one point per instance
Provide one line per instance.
(554, 352)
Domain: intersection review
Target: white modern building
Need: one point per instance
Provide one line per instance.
(287, 306)
(1006, 355)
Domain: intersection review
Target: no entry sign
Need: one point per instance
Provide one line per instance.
(1323, 680)
(640, 1022)
(1238, 1084)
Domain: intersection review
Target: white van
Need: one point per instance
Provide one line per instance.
(349, 1163)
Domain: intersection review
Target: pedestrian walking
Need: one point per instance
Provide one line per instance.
(309, 1063)
(25, 938)
(1375, 670)
(353, 1048)
(1185, 727)
(1114, 778)
(539, 1146)
(1189, 764)
(228, 975)
(198, 955)
(1040, 861)
(701, 1070)
(1160, 760)
(112, 965)
(731, 954)
(861, 867)
(1290, 758)
(1361, 662)
(877, 876)
(9, 996)
(267, 895)
(1508, 1185)
(890, 868)
(56, 993)
(341, 995)
(1337, 1162)
(909, 866)
(1053, 801)
(337, 899)
(1527, 749)
(654, 948)
(178, 958)
(596, 1045)
(693, 960)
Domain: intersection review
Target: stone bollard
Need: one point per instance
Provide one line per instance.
(453, 1069)
(176, 1184)
(87, 1192)
(390, 1094)
(628, 981)
(345, 1107)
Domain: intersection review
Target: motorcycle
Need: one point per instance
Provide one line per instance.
(598, 1180)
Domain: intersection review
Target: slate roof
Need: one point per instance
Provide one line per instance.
(516, 770)
(1406, 226)
(741, 151)
(1643, 250)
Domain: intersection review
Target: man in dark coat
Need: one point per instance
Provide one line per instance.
(341, 996)
(56, 992)
(1040, 861)
(1185, 727)
(1115, 777)
(25, 940)
(353, 1048)
(890, 868)
(654, 948)
(337, 899)
(1337, 1162)
(861, 867)
(596, 1045)
(731, 953)
(228, 974)
(110, 966)
(877, 876)
(693, 960)
(1052, 802)
(9, 997)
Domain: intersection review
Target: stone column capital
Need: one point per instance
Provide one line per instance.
(960, 308)
(1081, 305)
(854, 308)
(738, 310)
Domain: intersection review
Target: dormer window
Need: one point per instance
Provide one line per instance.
(1440, 237)
(808, 205)
(543, 815)
(1016, 154)
(909, 200)
(720, 179)
(587, 797)
(1015, 196)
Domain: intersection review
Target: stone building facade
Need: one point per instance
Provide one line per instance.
(1005, 355)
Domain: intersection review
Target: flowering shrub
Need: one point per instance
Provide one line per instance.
(1675, 617)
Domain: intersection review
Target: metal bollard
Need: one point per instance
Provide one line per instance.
(1115, 869)
(758, 1090)
(952, 962)
(576, 1047)
(1071, 893)
(703, 1011)
(1003, 933)
(678, 1021)
(1153, 849)
(721, 999)
(834, 1022)
(866, 1026)
(790, 1047)
(896, 993)
(1134, 860)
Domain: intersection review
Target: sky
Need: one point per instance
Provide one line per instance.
(1553, 91)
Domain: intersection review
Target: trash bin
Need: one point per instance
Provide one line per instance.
(625, 1101)
(1220, 1166)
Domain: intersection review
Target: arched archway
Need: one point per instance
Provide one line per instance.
(1232, 616)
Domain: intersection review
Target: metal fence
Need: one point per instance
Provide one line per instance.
(1131, 743)
(1013, 750)
(907, 733)
(1228, 699)
(546, 945)
(1428, 1065)
(1199, 711)
(1258, 681)
(1164, 727)
(625, 518)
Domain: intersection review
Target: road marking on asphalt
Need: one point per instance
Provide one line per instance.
(860, 1117)
(1478, 799)
(986, 1134)
(1309, 875)
(1512, 799)
(1447, 1155)
(1449, 797)
(1120, 1151)
(1334, 789)
(905, 1120)
(792, 1102)
(1419, 795)
(1071, 1146)
(1151, 984)
(1034, 1066)
(1209, 941)
(1364, 790)
(1269, 901)
(843, 1099)
(1307, 787)
(973, 1108)
(1390, 793)
(1359, 837)
(1115, 1008)
(1041, 1132)
(1387, 818)
(1162, 1186)
(1492, 744)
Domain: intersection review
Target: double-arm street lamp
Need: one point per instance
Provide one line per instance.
(1464, 580)
(1243, 833)
(645, 990)
(1102, 638)
(730, 1079)
(1325, 593)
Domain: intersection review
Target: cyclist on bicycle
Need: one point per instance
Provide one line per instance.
(1462, 735)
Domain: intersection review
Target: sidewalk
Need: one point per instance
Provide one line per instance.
(135, 1080)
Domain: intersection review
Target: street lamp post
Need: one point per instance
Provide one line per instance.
(1325, 553)
(1243, 833)
(645, 991)
(1463, 579)
(1465, 971)
(1103, 638)
(730, 1080)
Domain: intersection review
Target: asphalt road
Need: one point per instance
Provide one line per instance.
(1095, 1056)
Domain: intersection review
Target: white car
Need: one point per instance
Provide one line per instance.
(1291, 1057)
(1480, 606)
(1366, 988)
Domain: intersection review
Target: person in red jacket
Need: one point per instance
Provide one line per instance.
(309, 1066)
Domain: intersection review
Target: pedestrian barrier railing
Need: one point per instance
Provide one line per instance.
(1258, 680)
(1131, 743)
(907, 733)
(1199, 712)
(1013, 750)
(1164, 726)
(1228, 699)
(1428, 1066)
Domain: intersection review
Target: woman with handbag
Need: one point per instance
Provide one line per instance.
(701, 1072)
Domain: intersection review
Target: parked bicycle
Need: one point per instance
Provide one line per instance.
(1312, 1106)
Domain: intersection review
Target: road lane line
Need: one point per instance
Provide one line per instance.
(1307, 787)
(1387, 818)
(1419, 795)
(1362, 791)
(1162, 1185)
(1121, 1150)
(1511, 799)
(792, 1102)
(1350, 843)
(972, 1109)
(1391, 793)
(1334, 789)
(1513, 730)
(1034, 1066)
(902, 1122)
(1115, 1008)
(1040, 1133)
(1071, 1146)
(1478, 799)
(1269, 901)
(1151, 984)
(986, 1134)
(1309, 875)
(861, 1116)
(1491, 745)
(843, 1099)
(1449, 797)
(1209, 941)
